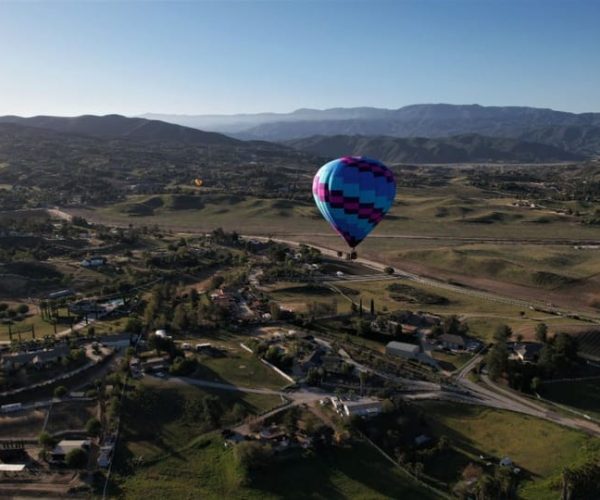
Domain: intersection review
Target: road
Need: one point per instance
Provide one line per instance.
(402, 274)
(494, 395)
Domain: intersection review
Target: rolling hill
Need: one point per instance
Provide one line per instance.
(121, 127)
(462, 148)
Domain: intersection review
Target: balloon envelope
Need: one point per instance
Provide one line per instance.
(353, 194)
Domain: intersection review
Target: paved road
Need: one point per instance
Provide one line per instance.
(401, 274)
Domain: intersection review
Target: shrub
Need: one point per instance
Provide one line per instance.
(76, 459)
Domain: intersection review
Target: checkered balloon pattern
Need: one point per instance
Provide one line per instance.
(353, 194)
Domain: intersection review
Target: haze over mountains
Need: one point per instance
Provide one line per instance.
(419, 120)
(415, 134)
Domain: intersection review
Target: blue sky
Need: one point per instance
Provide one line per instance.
(70, 58)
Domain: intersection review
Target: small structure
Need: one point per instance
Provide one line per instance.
(93, 262)
(403, 349)
(161, 333)
(105, 456)
(362, 408)
(422, 440)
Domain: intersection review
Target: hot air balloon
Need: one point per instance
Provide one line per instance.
(353, 194)
(198, 182)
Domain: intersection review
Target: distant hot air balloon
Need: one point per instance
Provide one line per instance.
(198, 182)
(354, 193)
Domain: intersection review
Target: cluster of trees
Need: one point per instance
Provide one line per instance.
(17, 313)
(166, 309)
(580, 482)
(557, 358)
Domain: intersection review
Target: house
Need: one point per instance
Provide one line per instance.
(453, 342)
(313, 360)
(156, 364)
(93, 262)
(85, 307)
(528, 352)
(362, 408)
(39, 359)
(48, 357)
(62, 449)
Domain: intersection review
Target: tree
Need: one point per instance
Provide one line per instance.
(541, 332)
(388, 270)
(134, 325)
(536, 383)
(217, 281)
(76, 459)
(372, 308)
(497, 360)
(93, 427)
(60, 391)
(46, 440)
(22, 308)
(502, 333)
(180, 318)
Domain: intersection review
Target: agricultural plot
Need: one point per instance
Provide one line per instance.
(541, 449)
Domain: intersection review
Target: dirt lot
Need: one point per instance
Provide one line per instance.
(22, 424)
(71, 415)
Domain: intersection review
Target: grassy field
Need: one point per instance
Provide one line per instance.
(164, 431)
(452, 211)
(451, 361)
(208, 470)
(239, 367)
(538, 447)
(582, 395)
(482, 315)
(298, 296)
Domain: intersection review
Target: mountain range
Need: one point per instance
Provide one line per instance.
(419, 120)
(553, 143)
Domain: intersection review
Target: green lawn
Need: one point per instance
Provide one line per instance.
(538, 447)
(582, 395)
(239, 367)
(209, 471)
(71, 415)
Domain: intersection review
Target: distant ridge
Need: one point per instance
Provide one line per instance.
(121, 127)
(456, 149)
(418, 120)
